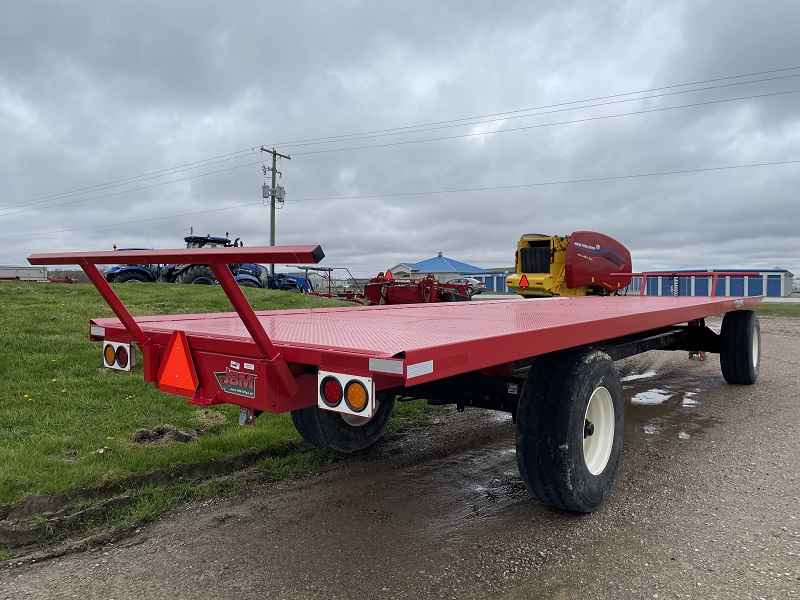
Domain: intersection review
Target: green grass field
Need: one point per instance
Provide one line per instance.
(778, 310)
(67, 423)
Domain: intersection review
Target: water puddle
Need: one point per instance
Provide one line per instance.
(664, 397)
(471, 489)
(635, 376)
(651, 397)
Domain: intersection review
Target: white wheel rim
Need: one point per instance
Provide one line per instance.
(599, 421)
(356, 421)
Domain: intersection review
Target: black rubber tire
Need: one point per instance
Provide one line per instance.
(328, 429)
(248, 283)
(551, 422)
(740, 347)
(132, 277)
(470, 291)
(197, 275)
(452, 297)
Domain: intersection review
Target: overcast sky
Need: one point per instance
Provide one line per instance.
(131, 123)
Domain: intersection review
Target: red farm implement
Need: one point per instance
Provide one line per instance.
(339, 371)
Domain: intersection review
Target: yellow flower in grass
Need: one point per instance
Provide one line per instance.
(63, 391)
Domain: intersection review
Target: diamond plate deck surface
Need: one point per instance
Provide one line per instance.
(389, 330)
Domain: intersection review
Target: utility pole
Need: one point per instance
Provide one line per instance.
(274, 170)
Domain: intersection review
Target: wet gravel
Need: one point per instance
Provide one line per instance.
(706, 505)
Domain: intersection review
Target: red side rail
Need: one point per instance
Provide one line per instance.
(714, 274)
(217, 259)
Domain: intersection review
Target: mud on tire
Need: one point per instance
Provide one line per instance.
(343, 433)
(569, 429)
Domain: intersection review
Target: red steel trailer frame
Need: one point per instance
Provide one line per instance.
(527, 357)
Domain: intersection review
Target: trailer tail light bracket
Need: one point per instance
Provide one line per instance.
(347, 394)
(119, 355)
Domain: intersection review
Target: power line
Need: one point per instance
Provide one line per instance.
(413, 128)
(298, 142)
(154, 175)
(522, 128)
(190, 214)
(465, 135)
(528, 113)
(146, 187)
(549, 183)
(433, 192)
(542, 125)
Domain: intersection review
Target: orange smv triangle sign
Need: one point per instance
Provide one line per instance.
(177, 373)
(524, 281)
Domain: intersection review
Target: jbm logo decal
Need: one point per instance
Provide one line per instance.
(235, 382)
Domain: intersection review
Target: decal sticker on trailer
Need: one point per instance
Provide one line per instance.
(237, 383)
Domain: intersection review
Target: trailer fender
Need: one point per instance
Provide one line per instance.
(247, 281)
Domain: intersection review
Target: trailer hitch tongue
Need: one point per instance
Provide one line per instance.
(588, 428)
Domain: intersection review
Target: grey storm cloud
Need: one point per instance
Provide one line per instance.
(131, 123)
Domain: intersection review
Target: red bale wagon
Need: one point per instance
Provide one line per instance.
(339, 371)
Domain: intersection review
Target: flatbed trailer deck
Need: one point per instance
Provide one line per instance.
(339, 371)
(426, 342)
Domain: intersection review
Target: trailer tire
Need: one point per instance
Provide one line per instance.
(563, 462)
(197, 275)
(343, 433)
(132, 277)
(740, 347)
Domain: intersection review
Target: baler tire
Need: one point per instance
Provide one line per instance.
(561, 464)
(197, 275)
(740, 347)
(452, 297)
(132, 277)
(343, 433)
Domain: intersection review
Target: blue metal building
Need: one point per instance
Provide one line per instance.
(771, 282)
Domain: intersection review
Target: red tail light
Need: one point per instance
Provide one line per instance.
(331, 391)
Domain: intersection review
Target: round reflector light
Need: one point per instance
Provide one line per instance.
(122, 356)
(108, 354)
(355, 396)
(331, 391)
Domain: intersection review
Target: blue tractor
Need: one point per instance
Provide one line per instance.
(279, 281)
(201, 274)
(247, 275)
(132, 273)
